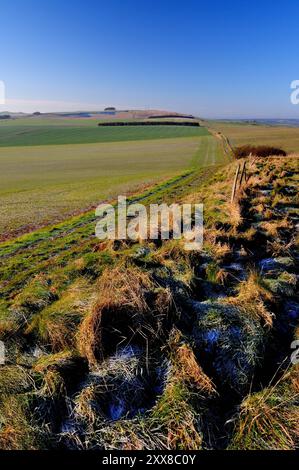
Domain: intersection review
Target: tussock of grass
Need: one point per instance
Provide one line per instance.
(15, 379)
(121, 386)
(177, 418)
(217, 249)
(259, 208)
(235, 213)
(185, 365)
(269, 214)
(260, 201)
(36, 295)
(86, 409)
(53, 385)
(173, 256)
(269, 419)
(249, 234)
(216, 274)
(253, 297)
(19, 431)
(280, 200)
(285, 284)
(56, 325)
(49, 360)
(56, 375)
(273, 228)
(228, 342)
(177, 411)
(56, 372)
(9, 320)
(279, 248)
(128, 309)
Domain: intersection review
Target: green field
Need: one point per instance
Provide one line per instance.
(243, 133)
(44, 184)
(55, 132)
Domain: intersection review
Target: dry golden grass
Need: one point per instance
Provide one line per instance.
(259, 208)
(185, 365)
(8, 326)
(261, 200)
(177, 419)
(83, 406)
(249, 234)
(53, 385)
(174, 413)
(122, 311)
(173, 256)
(218, 249)
(254, 182)
(18, 431)
(251, 298)
(268, 214)
(235, 216)
(279, 248)
(14, 379)
(272, 228)
(49, 360)
(191, 371)
(269, 419)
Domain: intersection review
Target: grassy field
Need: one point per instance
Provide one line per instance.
(44, 184)
(52, 132)
(209, 152)
(82, 304)
(181, 339)
(241, 134)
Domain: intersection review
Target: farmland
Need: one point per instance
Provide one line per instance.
(42, 184)
(102, 336)
(242, 133)
(149, 233)
(54, 132)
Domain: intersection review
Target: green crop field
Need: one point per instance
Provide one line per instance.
(241, 134)
(209, 152)
(44, 184)
(48, 132)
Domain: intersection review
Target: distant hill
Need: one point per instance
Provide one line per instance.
(108, 113)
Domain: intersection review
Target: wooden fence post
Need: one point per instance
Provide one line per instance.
(235, 183)
(243, 172)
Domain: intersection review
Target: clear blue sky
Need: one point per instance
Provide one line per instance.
(211, 58)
